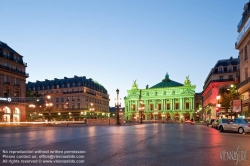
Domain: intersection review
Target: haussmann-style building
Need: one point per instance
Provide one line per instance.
(243, 45)
(12, 89)
(72, 99)
(167, 100)
(223, 74)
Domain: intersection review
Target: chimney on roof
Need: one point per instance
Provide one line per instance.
(46, 80)
(65, 78)
(37, 81)
(55, 78)
(75, 76)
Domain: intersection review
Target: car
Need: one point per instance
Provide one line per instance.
(223, 121)
(237, 125)
(209, 123)
(215, 123)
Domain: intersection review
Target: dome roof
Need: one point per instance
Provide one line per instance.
(167, 83)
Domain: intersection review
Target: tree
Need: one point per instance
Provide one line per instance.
(228, 95)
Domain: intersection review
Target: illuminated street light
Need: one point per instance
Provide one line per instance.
(49, 105)
(91, 109)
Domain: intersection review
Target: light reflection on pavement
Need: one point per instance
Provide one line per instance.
(146, 144)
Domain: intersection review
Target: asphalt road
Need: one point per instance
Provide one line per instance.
(146, 144)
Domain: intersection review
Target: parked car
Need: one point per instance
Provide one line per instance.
(222, 121)
(215, 123)
(209, 123)
(237, 125)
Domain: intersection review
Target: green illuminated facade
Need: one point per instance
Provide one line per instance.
(167, 100)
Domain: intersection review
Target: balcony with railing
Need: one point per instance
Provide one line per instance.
(14, 70)
(241, 84)
(73, 92)
(91, 93)
(219, 80)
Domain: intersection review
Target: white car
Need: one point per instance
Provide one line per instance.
(238, 125)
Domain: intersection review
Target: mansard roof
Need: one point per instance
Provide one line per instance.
(167, 83)
(6, 47)
(78, 81)
(227, 62)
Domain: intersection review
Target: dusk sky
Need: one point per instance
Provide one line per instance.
(117, 41)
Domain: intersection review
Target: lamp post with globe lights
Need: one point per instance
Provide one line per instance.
(117, 105)
(91, 109)
(48, 106)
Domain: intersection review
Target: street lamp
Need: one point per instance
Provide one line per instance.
(141, 109)
(91, 109)
(117, 105)
(49, 105)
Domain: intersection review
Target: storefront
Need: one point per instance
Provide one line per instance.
(12, 111)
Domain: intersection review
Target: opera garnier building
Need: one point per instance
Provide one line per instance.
(68, 99)
(167, 100)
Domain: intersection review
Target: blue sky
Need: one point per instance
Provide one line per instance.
(118, 41)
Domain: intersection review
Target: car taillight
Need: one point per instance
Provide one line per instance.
(249, 125)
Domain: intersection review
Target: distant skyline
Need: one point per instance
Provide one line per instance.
(116, 42)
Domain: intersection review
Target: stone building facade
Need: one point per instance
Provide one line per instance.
(167, 100)
(223, 74)
(243, 45)
(12, 89)
(72, 98)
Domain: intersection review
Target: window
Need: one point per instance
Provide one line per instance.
(6, 93)
(16, 94)
(73, 106)
(220, 70)
(6, 79)
(187, 106)
(133, 107)
(177, 106)
(57, 99)
(151, 107)
(159, 106)
(168, 106)
(221, 78)
(78, 105)
(62, 99)
(5, 53)
(73, 98)
(5, 64)
(230, 77)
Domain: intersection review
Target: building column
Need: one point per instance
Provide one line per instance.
(146, 105)
(164, 104)
(171, 104)
(181, 103)
(192, 103)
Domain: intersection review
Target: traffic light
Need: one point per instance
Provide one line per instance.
(217, 109)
